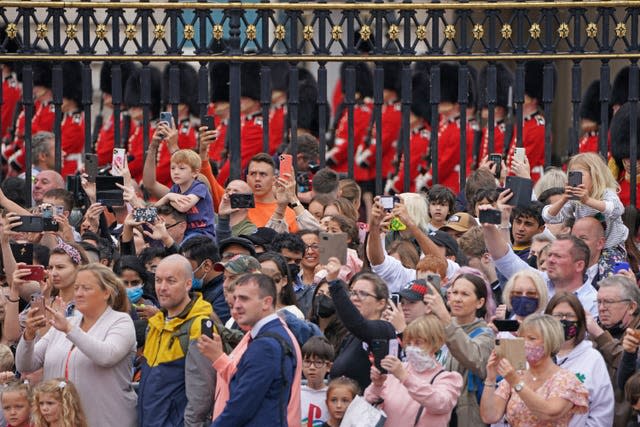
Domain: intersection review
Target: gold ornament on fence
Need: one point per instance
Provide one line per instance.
(478, 31)
(336, 32)
(218, 32)
(592, 30)
(251, 32)
(307, 32)
(42, 31)
(280, 32)
(421, 32)
(189, 32)
(71, 31)
(131, 32)
(101, 31)
(159, 31)
(393, 32)
(563, 31)
(621, 30)
(535, 31)
(450, 32)
(506, 31)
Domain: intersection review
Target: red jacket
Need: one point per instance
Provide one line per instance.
(391, 124)
(418, 164)
(105, 142)
(276, 127)
(72, 138)
(135, 149)
(449, 153)
(589, 142)
(11, 94)
(533, 143)
(251, 143)
(498, 140)
(217, 148)
(42, 120)
(338, 155)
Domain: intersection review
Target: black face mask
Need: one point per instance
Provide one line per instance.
(617, 330)
(294, 269)
(570, 329)
(533, 261)
(325, 306)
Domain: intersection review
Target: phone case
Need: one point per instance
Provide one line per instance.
(333, 245)
(22, 252)
(513, 351)
(286, 164)
(91, 166)
(118, 159)
(521, 189)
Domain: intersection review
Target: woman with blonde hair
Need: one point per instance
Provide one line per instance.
(94, 350)
(524, 294)
(544, 394)
(56, 403)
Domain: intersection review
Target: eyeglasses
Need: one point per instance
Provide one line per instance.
(313, 247)
(565, 316)
(607, 303)
(529, 294)
(168, 227)
(316, 363)
(361, 294)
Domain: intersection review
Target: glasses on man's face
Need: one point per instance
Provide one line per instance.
(610, 302)
(360, 294)
(131, 283)
(313, 247)
(169, 227)
(315, 363)
(565, 316)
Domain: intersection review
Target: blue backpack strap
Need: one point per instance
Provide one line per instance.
(474, 382)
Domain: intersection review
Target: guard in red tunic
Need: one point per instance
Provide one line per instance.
(250, 120)
(219, 108)
(105, 141)
(11, 88)
(449, 131)
(42, 120)
(533, 128)
(133, 100)
(187, 106)
(621, 150)
(72, 131)
(504, 83)
(419, 163)
(278, 109)
(590, 118)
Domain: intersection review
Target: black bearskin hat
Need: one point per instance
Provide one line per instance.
(504, 82)
(534, 79)
(219, 81)
(250, 80)
(133, 91)
(620, 88)
(420, 94)
(590, 106)
(188, 86)
(449, 82)
(363, 80)
(308, 110)
(280, 76)
(621, 133)
(42, 71)
(72, 81)
(106, 85)
(392, 76)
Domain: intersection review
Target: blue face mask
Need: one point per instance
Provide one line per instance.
(134, 294)
(523, 306)
(196, 284)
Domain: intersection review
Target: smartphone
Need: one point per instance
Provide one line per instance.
(37, 301)
(519, 154)
(149, 214)
(490, 216)
(506, 325)
(333, 245)
(22, 252)
(513, 351)
(166, 117)
(434, 280)
(36, 224)
(286, 164)
(91, 166)
(521, 189)
(46, 210)
(575, 179)
(58, 210)
(395, 299)
(107, 192)
(497, 160)
(37, 273)
(118, 160)
(379, 349)
(242, 200)
(209, 122)
(206, 327)
(394, 347)
(619, 266)
(389, 202)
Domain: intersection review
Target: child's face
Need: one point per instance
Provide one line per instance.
(438, 211)
(49, 407)
(338, 400)
(15, 406)
(333, 227)
(324, 223)
(315, 370)
(182, 173)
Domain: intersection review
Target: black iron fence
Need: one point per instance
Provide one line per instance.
(586, 35)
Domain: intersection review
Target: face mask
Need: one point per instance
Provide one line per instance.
(616, 330)
(533, 261)
(196, 284)
(325, 306)
(134, 294)
(419, 360)
(533, 352)
(570, 329)
(294, 269)
(523, 306)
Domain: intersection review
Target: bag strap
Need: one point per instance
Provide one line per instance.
(419, 414)
(183, 334)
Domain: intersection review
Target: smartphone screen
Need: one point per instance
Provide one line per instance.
(209, 122)
(395, 299)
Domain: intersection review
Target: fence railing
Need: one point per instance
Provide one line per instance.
(599, 35)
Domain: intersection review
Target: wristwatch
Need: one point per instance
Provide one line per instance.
(518, 387)
(294, 205)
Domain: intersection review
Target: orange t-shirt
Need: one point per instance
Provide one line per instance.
(261, 214)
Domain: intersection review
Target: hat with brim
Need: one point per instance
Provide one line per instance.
(240, 241)
(460, 221)
(415, 290)
(239, 264)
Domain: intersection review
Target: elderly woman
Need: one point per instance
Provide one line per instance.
(469, 340)
(93, 350)
(542, 395)
(421, 392)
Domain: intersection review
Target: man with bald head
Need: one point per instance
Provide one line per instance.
(177, 382)
(233, 222)
(45, 181)
(601, 261)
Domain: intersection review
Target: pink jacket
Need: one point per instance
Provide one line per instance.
(225, 367)
(402, 400)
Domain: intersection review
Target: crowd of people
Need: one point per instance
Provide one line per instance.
(295, 296)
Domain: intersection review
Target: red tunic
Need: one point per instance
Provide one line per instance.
(339, 153)
(43, 118)
(216, 149)
(589, 142)
(72, 138)
(498, 140)
(418, 164)
(11, 94)
(105, 142)
(533, 143)
(186, 139)
(276, 127)
(135, 149)
(449, 153)
(391, 124)
(251, 137)
(625, 191)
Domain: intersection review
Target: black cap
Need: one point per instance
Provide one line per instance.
(442, 238)
(241, 241)
(415, 290)
(263, 236)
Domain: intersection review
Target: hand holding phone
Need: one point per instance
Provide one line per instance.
(286, 164)
(207, 328)
(490, 216)
(497, 161)
(37, 273)
(37, 301)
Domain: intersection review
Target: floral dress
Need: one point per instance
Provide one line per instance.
(563, 384)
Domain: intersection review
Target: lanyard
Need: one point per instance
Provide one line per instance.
(66, 363)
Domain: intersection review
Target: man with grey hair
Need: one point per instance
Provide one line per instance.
(43, 146)
(618, 303)
(177, 381)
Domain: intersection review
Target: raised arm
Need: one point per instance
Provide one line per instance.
(149, 181)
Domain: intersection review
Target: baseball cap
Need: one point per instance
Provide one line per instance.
(415, 290)
(240, 241)
(239, 264)
(263, 236)
(442, 238)
(460, 221)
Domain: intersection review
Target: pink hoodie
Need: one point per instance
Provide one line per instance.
(225, 367)
(402, 400)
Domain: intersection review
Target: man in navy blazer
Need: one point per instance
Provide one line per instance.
(260, 389)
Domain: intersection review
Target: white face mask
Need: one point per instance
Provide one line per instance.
(419, 360)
